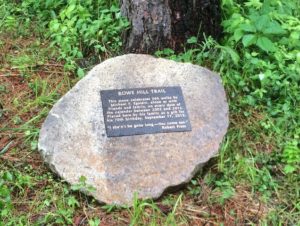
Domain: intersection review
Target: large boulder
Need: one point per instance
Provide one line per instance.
(74, 143)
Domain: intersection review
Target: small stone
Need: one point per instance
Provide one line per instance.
(73, 140)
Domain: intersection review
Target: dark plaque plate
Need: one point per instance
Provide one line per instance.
(144, 111)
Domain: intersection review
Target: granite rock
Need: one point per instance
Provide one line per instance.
(73, 140)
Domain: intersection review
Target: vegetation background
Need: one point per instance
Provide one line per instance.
(48, 45)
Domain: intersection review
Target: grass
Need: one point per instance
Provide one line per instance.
(217, 195)
(253, 181)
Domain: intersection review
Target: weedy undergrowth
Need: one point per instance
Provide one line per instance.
(259, 61)
(83, 31)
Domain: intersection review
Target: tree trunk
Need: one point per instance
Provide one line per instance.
(158, 24)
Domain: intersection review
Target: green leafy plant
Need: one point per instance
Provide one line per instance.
(5, 194)
(94, 222)
(258, 60)
(82, 186)
(291, 157)
(257, 29)
(80, 30)
(12, 183)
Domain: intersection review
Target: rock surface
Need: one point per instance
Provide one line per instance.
(73, 140)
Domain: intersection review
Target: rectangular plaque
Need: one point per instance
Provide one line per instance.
(144, 111)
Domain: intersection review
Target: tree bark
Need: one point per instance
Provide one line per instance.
(158, 24)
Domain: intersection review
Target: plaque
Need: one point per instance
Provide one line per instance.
(144, 111)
